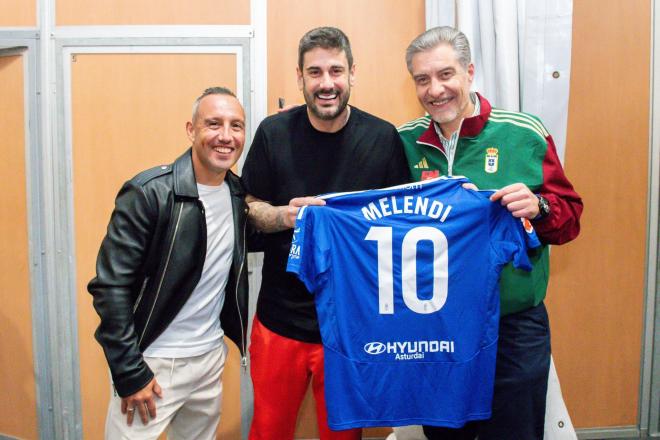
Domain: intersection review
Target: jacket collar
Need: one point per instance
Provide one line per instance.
(470, 127)
(185, 184)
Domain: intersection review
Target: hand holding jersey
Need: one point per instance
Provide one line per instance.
(519, 200)
(269, 218)
(294, 207)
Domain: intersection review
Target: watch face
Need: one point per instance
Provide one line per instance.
(544, 207)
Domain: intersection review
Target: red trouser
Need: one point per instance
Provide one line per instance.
(281, 369)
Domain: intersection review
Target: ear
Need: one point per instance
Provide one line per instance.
(190, 131)
(299, 77)
(470, 72)
(351, 76)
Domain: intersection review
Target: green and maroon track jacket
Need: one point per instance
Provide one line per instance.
(497, 148)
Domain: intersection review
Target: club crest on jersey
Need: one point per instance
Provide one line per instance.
(491, 160)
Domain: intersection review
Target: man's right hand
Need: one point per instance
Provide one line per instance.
(143, 402)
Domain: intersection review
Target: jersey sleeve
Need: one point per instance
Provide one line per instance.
(257, 174)
(308, 259)
(511, 238)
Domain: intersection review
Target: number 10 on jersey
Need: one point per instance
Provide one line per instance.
(383, 237)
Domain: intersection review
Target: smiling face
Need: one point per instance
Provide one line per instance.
(217, 133)
(325, 81)
(443, 86)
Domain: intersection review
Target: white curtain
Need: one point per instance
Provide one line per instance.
(522, 53)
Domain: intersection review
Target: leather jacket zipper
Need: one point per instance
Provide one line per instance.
(238, 307)
(162, 277)
(139, 298)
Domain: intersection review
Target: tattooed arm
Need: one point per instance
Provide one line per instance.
(268, 218)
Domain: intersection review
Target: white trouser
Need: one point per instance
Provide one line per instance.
(190, 407)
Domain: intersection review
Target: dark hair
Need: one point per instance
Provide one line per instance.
(327, 38)
(207, 92)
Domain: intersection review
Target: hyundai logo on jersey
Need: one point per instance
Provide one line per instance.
(374, 347)
(404, 349)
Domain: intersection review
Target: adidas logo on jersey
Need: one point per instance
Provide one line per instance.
(422, 164)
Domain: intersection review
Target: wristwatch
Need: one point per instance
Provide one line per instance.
(544, 208)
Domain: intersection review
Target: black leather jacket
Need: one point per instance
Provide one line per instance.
(150, 261)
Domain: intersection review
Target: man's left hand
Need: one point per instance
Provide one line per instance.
(518, 199)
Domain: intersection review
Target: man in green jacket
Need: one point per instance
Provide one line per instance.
(513, 153)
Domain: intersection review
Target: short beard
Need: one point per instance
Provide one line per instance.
(447, 119)
(316, 111)
(459, 113)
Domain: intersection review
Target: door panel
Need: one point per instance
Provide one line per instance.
(596, 292)
(152, 12)
(18, 13)
(18, 404)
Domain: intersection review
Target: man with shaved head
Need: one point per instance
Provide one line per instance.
(171, 281)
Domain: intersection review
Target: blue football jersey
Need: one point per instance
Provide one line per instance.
(406, 285)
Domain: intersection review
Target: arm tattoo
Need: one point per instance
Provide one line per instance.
(266, 217)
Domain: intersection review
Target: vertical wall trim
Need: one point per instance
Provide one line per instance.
(38, 281)
(259, 61)
(59, 201)
(64, 420)
(258, 111)
(650, 383)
